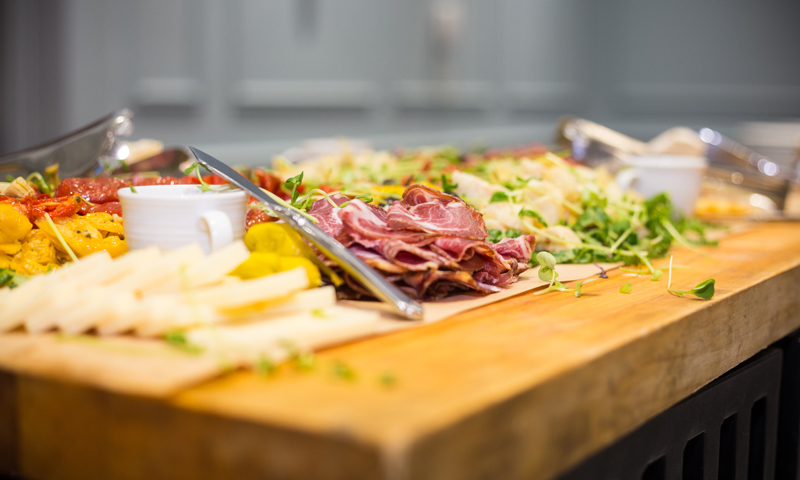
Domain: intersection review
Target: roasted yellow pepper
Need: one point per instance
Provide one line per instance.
(13, 225)
(94, 232)
(37, 255)
(280, 239)
(261, 264)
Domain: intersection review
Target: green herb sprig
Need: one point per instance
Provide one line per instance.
(704, 289)
(448, 187)
(195, 169)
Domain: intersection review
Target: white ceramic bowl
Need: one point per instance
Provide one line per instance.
(173, 216)
(680, 176)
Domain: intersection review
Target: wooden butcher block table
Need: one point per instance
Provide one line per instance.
(524, 388)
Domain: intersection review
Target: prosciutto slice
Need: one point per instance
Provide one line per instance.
(328, 217)
(429, 244)
(427, 210)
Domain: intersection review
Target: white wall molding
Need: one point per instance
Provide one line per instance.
(168, 92)
(543, 96)
(304, 94)
(426, 95)
(710, 99)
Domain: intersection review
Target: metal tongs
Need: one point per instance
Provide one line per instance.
(729, 161)
(77, 153)
(369, 278)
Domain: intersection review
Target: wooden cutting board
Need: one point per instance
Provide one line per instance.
(523, 388)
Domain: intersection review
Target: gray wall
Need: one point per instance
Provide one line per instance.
(246, 78)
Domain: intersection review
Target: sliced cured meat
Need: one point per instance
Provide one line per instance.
(425, 283)
(452, 218)
(429, 244)
(139, 181)
(376, 260)
(328, 216)
(114, 208)
(460, 249)
(95, 190)
(365, 226)
(418, 194)
(256, 215)
(409, 256)
(520, 248)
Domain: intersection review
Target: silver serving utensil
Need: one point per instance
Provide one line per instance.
(369, 278)
(77, 153)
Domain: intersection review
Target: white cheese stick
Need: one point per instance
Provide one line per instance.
(305, 300)
(248, 292)
(247, 343)
(23, 299)
(212, 269)
(160, 270)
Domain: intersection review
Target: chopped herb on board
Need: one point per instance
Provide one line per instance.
(627, 288)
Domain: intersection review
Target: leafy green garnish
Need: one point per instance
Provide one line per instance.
(512, 233)
(448, 187)
(11, 279)
(627, 288)
(133, 189)
(265, 366)
(494, 235)
(387, 379)
(41, 184)
(547, 272)
(656, 275)
(499, 197)
(533, 214)
(9, 178)
(178, 340)
(292, 184)
(305, 361)
(703, 290)
(195, 169)
(343, 371)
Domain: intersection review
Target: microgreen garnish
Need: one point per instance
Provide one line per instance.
(195, 169)
(11, 279)
(513, 233)
(499, 197)
(547, 273)
(547, 270)
(265, 366)
(387, 379)
(602, 273)
(448, 187)
(133, 189)
(305, 361)
(658, 273)
(704, 290)
(292, 183)
(579, 285)
(363, 197)
(533, 214)
(494, 235)
(343, 371)
(318, 313)
(178, 340)
(9, 178)
(60, 238)
(37, 179)
(627, 288)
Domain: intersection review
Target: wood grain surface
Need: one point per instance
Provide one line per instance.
(524, 388)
